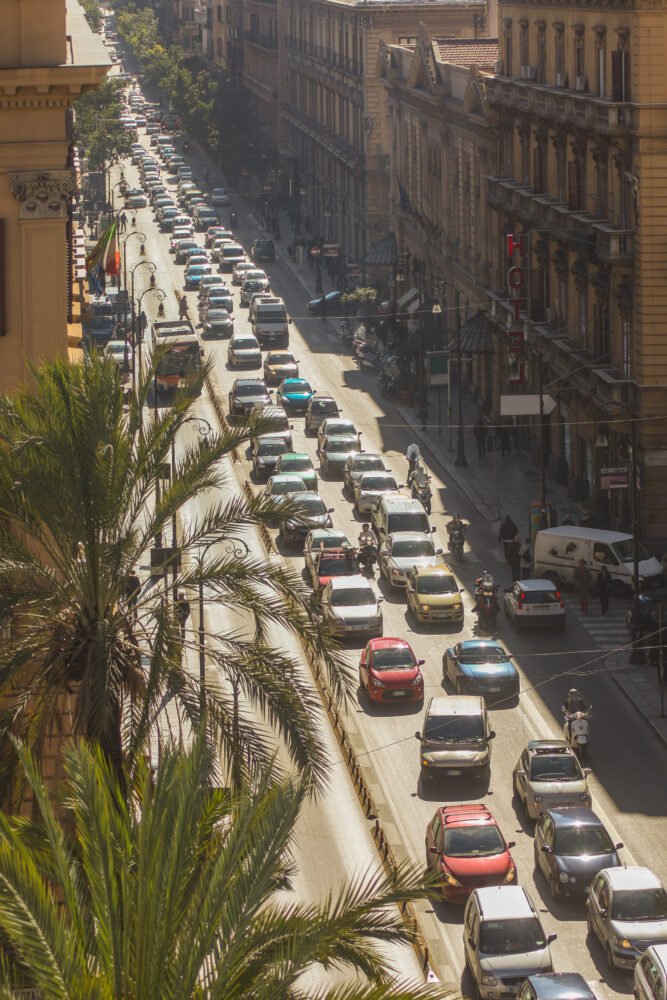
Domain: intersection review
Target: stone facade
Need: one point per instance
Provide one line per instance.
(48, 57)
(334, 107)
(262, 61)
(583, 173)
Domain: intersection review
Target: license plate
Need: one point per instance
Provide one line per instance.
(399, 694)
(450, 771)
(494, 690)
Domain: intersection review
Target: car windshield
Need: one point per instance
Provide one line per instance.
(341, 443)
(393, 658)
(454, 728)
(575, 840)
(245, 344)
(352, 597)
(639, 904)
(511, 937)
(250, 390)
(557, 767)
(437, 584)
(324, 406)
(340, 427)
(407, 522)
(378, 483)
(282, 487)
(335, 540)
(271, 448)
(473, 842)
(311, 507)
(217, 315)
(482, 654)
(412, 549)
(370, 463)
(280, 359)
(540, 597)
(296, 465)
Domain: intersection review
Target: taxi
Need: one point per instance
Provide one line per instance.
(434, 595)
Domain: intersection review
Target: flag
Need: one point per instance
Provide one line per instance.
(96, 262)
(112, 255)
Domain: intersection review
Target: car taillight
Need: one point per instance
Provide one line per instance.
(559, 598)
(522, 598)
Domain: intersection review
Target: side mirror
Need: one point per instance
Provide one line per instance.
(521, 773)
(551, 938)
(439, 552)
(418, 736)
(289, 320)
(587, 771)
(420, 663)
(291, 427)
(433, 850)
(380, 600)
(471, 942)
(432, 529)
(330, 510)
(546, 849)
(619, 845)
(511, 843)
(461, 590)
(492, 735)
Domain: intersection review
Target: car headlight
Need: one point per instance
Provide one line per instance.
(620, 942)
(538, 798)
(448, 879)
(426, 762)
(424, 607)
(395, 572)
(376, 683)
(510, 876)
(488, 979)
(416, 681)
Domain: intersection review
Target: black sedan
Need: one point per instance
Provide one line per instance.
(571, 846)
(325, 305)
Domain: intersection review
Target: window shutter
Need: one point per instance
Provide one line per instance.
(616, 75)
(538, 179)
(572, 185)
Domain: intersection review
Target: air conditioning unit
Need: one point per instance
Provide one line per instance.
(580, 83)
(561, 80)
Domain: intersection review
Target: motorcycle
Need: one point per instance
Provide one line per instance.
(456, 542)
(366, 557)
(576, 727)
(233, 218)
(421, 490)
(487, 607)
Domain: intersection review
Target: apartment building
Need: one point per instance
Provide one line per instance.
(227, 37)
(48, 57)
(580, 98)
(442, 142)
(262, 59)
(334, 105)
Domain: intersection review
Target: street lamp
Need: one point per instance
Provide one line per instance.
(315, 252)
(135, 232)
(139, 335)
(203, 428)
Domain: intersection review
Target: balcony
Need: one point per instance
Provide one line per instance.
(263, 41)
(337, 147)
(324, 57)
(615, 245)
(570, 107)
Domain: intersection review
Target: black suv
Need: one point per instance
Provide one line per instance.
(263, 250)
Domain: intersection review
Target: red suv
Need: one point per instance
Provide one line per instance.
(389, 671)
(465, 847)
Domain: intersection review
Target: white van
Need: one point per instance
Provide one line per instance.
(270, 322)
(558, 550)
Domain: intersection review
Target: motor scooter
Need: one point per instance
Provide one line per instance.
(421, 490)
(487, 608)
(576, 729)
(366, 557)
(456, 541)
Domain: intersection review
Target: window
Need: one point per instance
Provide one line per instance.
(524, 55)
(601, 62)
(583, 318)
(627, 348)
(601, 337)
(541, 52)
(575, 192)
(620, 75)
(508, 47)
(219, 10)
(559, 54)
(579, 57)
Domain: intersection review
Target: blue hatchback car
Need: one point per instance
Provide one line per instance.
(483, 667)
(294, 394)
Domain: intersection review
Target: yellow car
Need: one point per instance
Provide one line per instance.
(279, 365)
(434, 595)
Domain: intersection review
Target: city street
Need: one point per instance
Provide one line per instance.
(334, 838)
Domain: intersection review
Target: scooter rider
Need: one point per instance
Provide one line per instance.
(485, 582)
(368, 546)
(456, 524)
(413, 455)
(575, 702)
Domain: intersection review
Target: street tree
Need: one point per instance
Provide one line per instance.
(98, 126)
(169, 888)
(79, 511)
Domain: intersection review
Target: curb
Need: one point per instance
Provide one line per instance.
(661, 737)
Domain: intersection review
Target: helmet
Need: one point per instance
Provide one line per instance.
(573, 693)
(365, 525)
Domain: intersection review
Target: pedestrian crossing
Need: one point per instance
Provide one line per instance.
(608, 632)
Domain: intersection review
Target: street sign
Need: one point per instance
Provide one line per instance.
(314, 251)
(437, 368)
(330, 250)
(615, 478)
(526, 406)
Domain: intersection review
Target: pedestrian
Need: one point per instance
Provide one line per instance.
(514, 558)
(183, 309)
(132, 590)
(583, 581)
(122, 222)
(143, 323)
(508, 532)
(526, 560)
(480, 433)
(604, 590)
(134, 219)
(182, 608)
(504, 439)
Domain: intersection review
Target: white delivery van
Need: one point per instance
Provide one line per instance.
(557, 553)
(270, 322)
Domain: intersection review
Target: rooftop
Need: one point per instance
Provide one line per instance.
(482, 52)
(632, 878)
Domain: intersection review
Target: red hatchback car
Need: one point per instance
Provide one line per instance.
(465, 847)
(389, 671)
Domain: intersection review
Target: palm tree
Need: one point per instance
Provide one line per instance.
(78, 511)
(171, 888)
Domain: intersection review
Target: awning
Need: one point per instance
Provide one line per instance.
(475, 336)
(405, 301)
(384, 252)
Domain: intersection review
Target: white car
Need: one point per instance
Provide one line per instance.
(370, 486)
(219, 196)
(241, 269)
(351, 608)
(626, 910)
(548, 775)
(244, 351)
(535, 602)
(400, 553)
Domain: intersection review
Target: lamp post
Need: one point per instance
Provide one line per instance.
(460, 459)
(152, 268)
(142, 237)
(315, 252)
(203, 428)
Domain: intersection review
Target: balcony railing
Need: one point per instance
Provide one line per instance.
(567, 106)
(614, 244)
(330, 57)
(257, 38)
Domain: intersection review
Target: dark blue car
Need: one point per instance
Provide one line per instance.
(483, 667)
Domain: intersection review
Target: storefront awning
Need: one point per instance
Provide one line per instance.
(408, 301)
(383, 253)
(475, 336)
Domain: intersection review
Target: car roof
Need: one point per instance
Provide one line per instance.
(343, 582)
(286, 477)
(398, 505)
(280, 355)
(632, 877)
(458, 704)
(574, 816)
(537, 585)
(549, 746)
(592, 534)
(441, 569)
(250, 381)
(504, 902)
(321, 534)
(470, 814)
(388, 642)
(560, 986)
(295, 381)
(403, 536)
(660, 953)
(483, 644)
(296, 454)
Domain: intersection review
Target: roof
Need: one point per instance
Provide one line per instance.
(456, 704)
(576, 816)
(388, 641)
(503, 902)
(474, 337)
(473, 814)
(632, 878)
(440, 569)
(483, 644)
(561, 986)
(343, 582)
(384, 252)
(592, 534)
(401, 536)
(548, 746)
(482, 52)
(536, 585)
(397, 505)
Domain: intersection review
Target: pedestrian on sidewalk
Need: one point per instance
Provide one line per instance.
(480, 432)
(143, 323)
(183, 309)
(122, 222)
(526, 560)
(604, 590)
(508, 532)
(182, 607)
(514, 558)
(583, 581)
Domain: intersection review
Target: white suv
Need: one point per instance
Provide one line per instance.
(503, 940)
(350, 607)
